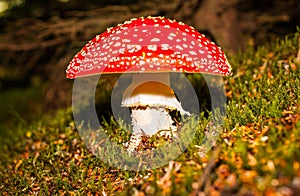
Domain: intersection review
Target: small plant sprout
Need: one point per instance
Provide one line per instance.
(150, 49)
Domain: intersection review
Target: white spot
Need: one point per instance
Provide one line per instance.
(158, 31)
(126, 22)
(172, 34)
(152, 47)
(165, 46)
(126, 40)
(181, 62)
(155, 59)
(117, 44)
(118, 32)
(179, 47)
(203, 60)
(189, 59)
(155, 40)
(138, 47)
(161, 55)
(185, 45)
(209, 56)
(131, 50)
(141, 39)
(201, 52)
(104, 45)
(144, 30)
(122, 50)
(97, 37)
(170, 38)
(178, 40)
(109, 29)
(192, 52)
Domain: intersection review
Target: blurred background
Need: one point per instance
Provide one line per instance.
(38, 38)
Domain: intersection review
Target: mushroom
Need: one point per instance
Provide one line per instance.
(150, 48)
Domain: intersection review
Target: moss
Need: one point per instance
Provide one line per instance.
(257, 151)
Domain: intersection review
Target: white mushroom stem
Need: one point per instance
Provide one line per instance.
(151, 99)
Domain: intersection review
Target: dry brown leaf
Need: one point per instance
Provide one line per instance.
(251, 160)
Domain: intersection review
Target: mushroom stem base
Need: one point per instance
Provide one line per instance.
(148, 121)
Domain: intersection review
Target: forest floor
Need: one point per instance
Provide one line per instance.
(256, 153)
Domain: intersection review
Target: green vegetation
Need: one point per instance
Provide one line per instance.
(16, 102)
(258, 151)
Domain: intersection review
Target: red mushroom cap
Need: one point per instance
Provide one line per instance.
(153, 44)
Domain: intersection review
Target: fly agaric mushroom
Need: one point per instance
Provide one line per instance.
(151, 47)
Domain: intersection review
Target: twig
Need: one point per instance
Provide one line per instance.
(202, 181)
